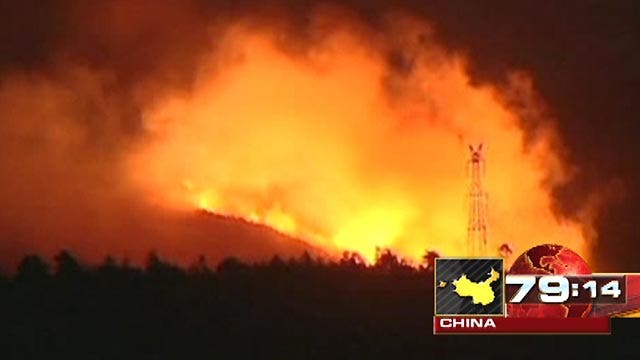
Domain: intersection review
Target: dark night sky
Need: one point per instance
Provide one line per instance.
(584, 56)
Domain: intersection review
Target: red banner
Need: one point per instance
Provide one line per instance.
(506, 325)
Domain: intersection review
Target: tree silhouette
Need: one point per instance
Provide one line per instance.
(230, 265)
(67, 265)
(33, 269)
(429, 259)
(108, 265)
(299, 308)
(156, 267)
(352, 259)
(200, 267)
(388, 261)
(505, 250)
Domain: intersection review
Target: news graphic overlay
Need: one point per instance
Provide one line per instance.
(549, 260)
(549, 289)
(469, 286)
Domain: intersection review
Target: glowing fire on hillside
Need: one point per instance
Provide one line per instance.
(349, 148)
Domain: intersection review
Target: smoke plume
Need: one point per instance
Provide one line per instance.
(344, 126)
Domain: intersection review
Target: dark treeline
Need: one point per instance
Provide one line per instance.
(301, 308)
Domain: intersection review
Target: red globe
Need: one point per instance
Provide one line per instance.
(549, 260)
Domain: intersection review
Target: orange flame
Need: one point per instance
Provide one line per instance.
(336, 147)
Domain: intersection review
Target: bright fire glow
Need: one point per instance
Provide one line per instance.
(335, 148)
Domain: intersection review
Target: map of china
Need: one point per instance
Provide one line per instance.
(481, 292)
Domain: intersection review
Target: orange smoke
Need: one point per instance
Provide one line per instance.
(338, 146)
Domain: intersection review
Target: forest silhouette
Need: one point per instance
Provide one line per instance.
(299, 308)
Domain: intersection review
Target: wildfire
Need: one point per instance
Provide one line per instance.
(339, 147)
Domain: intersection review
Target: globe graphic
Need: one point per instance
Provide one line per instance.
(549, 260)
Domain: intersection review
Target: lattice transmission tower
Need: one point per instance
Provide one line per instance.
(477, 227)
